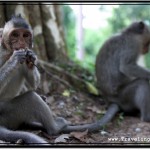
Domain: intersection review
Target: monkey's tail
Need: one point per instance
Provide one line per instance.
(13, 136)
(92, 127)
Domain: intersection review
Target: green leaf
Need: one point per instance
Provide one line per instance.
(92, 89)
(66, 93)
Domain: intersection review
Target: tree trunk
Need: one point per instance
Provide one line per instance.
(36, 23)
(59, 20)
(49, 42)
(54, 42)
(2, 16)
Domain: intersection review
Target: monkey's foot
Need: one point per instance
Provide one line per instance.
(61, 123)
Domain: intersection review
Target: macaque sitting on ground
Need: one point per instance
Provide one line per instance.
(123, 83)
(17, 66)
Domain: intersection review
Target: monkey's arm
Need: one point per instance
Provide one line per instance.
(9, 68)
(31, 72)
(32, 77)
(6, 74)
(134, 71)
(111, 112)
(130, 68)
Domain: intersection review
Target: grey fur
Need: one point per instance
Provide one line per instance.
(17, 109)
(123, 83)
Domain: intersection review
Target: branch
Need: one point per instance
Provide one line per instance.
(74, 81)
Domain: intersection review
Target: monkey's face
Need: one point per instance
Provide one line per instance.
(19, 38)
(146, 48)
(146, 39)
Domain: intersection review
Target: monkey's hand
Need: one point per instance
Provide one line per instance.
(30, 59)
(18, 57)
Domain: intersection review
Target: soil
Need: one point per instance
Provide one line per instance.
(80, 108)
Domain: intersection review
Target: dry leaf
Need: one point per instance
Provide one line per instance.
(66, 93)
(80, 135)
(95, 109)
(62, 138)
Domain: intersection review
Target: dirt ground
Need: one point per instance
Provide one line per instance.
(80, 108)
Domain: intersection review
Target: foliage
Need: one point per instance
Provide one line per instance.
(69, 25)
(125, 14)
(93, 40)
(120, 118)
(147, 60)
(122, 16)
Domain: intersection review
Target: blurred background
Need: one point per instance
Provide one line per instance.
(68, 36)
(75, 30)
(91, 25)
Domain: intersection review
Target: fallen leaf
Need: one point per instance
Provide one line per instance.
(66, 93)
(96, 110)
(62, 138)
(19, 141)
(80, 135)
(91, 88)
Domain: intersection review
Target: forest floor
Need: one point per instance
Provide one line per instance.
(80, 108)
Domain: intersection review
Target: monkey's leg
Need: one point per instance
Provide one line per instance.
(28, 108)
(142, 99)
(13, 136)
(137, 95)
(92, 127)
(32, 126)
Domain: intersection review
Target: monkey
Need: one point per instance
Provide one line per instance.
(17, 67)
(123, 83)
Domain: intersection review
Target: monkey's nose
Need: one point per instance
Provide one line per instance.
(22, 47)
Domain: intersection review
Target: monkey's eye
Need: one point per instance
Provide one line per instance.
(26, 35)
(15, 34)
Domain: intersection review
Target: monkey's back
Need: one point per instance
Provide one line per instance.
(109, 77)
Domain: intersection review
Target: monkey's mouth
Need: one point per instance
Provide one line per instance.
(20, 48)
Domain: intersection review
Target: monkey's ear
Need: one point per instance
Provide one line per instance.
(141, 25)
(1, 33)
